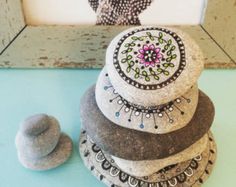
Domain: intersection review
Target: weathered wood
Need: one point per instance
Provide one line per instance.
(11, 21)
(213, 55)
(60, 46)
(85, 47)
(220, 23)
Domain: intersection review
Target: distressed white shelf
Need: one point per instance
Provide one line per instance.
(25, 46)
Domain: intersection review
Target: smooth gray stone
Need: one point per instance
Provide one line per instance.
(42, 144)
(36, 124)
(136, 145)
(148, 167)
(57, 157)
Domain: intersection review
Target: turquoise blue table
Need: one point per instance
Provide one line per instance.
(58, 92)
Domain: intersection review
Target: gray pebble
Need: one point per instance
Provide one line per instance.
(36, 124)
(59, 155)
(42, 144)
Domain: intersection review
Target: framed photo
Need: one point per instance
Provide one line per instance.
(56, 46)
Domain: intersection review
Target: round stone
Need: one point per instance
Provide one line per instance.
(148, 167)
(151, 66)
(192, 172)
(153, 119)
(36, 146)
(115, 139)
(58, 156)
(35, 125)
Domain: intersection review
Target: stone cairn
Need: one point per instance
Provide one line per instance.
(118, 12)
(40, 143)
(145, 123)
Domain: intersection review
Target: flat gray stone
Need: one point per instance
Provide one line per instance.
(136, 145)
(153, 119)
(36, 124)
(193, 172)
(33, 144)
(151, 66)
(148, 167)
(58, 156)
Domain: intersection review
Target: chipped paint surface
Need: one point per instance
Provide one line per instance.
(60, 46)
(214, 57)
(220, 23)
(11, 20)
(85, 47)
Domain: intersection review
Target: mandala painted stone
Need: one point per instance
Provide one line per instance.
(154, 57)
(123, 142)
(152, 66)
(154, 119)
(189, 173)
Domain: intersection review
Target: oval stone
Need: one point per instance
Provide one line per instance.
(151, 66)
(153, 119)
(58, 156)
(40, 145)
(34, 125)
(148, 167)
(136, 145)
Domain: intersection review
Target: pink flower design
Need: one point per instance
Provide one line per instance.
(149, 55)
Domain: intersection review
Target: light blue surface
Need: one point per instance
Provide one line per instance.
(58, 93)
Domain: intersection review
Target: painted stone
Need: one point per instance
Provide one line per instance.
(58, 156)
(153, 119)
(134, 145)
(189, 173)
(148, 167)
(152, 66)
(38, 136)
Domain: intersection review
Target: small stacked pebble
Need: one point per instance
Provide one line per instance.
(123, 12)
(40, 143)
(145, 122)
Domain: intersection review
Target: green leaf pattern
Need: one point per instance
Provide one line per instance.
(168, 47)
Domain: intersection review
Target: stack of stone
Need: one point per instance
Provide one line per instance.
(40, 143)
(146, 123)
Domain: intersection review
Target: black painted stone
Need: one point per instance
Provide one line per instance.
(136, 145)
